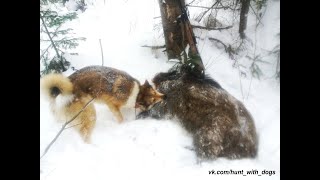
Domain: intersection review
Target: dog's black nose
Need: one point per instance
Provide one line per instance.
(164, 97)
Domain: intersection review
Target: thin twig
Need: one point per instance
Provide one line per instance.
(259, 20)
(249, 87)
(64, 39)
(54, 35)
(63, 128)
(208, 10)
(255, 48)
(154, 47)
(45, 51)
(219, 7)
(207, 28)
(224, 45)
(240, 80)
(54, 46)
(199, 6)
(73, 126)
(190, 2)
(227, 48)
(101, 52)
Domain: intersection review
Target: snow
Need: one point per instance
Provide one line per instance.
(149, 148)
(71, 5)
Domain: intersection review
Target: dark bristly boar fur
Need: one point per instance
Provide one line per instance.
(220, 124)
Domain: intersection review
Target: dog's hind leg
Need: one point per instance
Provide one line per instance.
(86, 120)
(88, 117)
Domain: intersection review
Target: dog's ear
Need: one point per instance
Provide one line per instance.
(146, 83)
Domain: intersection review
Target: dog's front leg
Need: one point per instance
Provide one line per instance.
(116, 112)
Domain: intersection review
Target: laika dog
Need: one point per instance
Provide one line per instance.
(113, 87)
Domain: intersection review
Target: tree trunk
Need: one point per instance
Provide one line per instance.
(178, 34)
(245, 4)
(175, 43)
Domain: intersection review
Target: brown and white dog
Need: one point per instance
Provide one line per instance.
(113, 87)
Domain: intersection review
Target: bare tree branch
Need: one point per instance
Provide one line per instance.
(55, 48)
(54, 35)
(190, 2)
(155, 47)
(64, 127)
(219, 7)
(205, 12)
(227, 48)
(217, 40)
(207, 28)
(198, 6)
(73, 126)
(64, 39)
(228, 7)
(45, 51)
(101, 52)
(259, 20)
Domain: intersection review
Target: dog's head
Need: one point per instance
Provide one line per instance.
(148, 97)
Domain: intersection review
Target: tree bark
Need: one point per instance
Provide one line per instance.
(175, 43)
(245, 4)
(178, 34)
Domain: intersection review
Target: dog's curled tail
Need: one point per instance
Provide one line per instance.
(53, 85)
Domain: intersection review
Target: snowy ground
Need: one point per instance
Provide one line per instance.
(150, 148)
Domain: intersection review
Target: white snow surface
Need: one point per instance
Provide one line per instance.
(149, 148)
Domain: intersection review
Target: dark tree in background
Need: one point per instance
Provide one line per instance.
(245, 4)
(180, 40)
